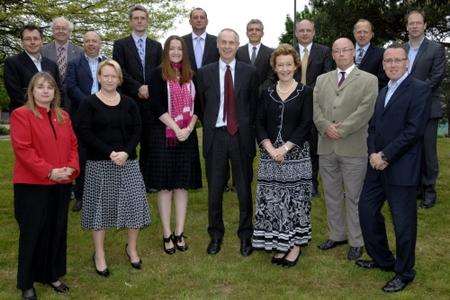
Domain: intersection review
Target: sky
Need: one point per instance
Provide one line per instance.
(236, 14)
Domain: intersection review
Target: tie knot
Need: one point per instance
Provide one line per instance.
(254, 48)
(305, 50)
(61, 48)
(228, 67)
(342, 73)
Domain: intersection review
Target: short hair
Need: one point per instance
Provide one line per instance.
(397, 45)
(284, 49)
(137, 7)
(195, 9)
(236, 35)
(111, 63)
(310, 21)
(362, 21)
(168, 71)
(415, 11)
(31, 27)
(257, 22)
(62, 19)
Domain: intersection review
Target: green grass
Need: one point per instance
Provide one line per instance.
(195, 274)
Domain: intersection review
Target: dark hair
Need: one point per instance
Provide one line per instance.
(195, 9)
(362, 21)
(397, 45)
(31, 27)
(137, 7)
(415, 11)
(284, 49)
(168, 72)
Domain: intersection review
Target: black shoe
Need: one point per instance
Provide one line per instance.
(396, 284)
(29, 294)
(246, 247)
(314, 192)
(169, 251)
(62, 288)
(177, 239)
(278, 260)
(429, 197)
(354, 253)
(104, 273)
(136, 265)
(289, 263)
(330, 244)
(214, 246)
(428, 202)
(371, 264)
(77, 205)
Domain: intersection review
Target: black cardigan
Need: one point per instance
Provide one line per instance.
(292, 117)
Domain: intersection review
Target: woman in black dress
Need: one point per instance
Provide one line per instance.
(283, 192)
(173, 164)
(114, 192)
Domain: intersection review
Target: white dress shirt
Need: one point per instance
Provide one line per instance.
(222, 68)
(36, 60)
(392, 87)
(347, 72)
(250, 49)
(301, 49)
(202, 41)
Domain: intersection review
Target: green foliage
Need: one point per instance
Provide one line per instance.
(4, 130)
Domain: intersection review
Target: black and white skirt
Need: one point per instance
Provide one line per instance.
(114, 196)
(283, 201)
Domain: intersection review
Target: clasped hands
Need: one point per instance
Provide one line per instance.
(119, 158)
(143, 92)
(277, 154)
(61, 174)
(377, 162)
(332, 131)
(182, 134)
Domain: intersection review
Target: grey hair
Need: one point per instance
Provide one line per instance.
(236, 35)
(256, 21)
(62, 19)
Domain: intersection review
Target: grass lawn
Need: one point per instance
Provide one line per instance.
(194, 274)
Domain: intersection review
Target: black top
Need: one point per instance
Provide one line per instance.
(104, 128)
(292, 117)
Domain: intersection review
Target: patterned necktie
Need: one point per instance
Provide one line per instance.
(198, 51)
(359, 57)
(141, 52)
(304, 65)
(61, 60)
(229, 107)
(253, 58)
(342, 78)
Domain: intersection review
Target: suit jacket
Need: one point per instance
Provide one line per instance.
(262, 63)
(430, 66)
(210, 53)
(397, 130)
(372, 62)
(18, 71)
(319, 62)
(351, 104)
(126, 54)
(79, 81)
(73, 51)
(246, 94)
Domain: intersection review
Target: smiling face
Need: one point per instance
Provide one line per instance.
(108, 79)
(139, 21)
(61, 31)
(31, 41)
(343, 53)
(363, 33)
(395, 63)
(92, 44)
(228, 43)
(43, 93)
(254, 33)
(175, 51)
(285, 67)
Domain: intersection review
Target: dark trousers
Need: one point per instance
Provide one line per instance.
(403, 208)
(314, 156)
(430, 163)
(226, 148)
(41, 212)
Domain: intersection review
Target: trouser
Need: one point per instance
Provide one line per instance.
(430, 163)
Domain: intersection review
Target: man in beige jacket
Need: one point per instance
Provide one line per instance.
(344, 100)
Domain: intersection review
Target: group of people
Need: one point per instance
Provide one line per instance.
(368, 127)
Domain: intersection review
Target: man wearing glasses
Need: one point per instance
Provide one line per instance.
(343, 104)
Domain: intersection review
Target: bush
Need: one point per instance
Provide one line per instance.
(4, 130)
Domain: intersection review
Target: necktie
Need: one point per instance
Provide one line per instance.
(198, 51)
(359, 57)
(253, 57)
(342, 78)
(304, 65)
(229, 107)
(61, 60)
(141, 52)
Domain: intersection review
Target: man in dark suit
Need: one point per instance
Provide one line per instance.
(427, 62)
(138, 55)
(20, 68)
(256, 53)
(201, 46)
(368, 57)
(393, 173)
(81, 81)
(228, 91)
(316, 60)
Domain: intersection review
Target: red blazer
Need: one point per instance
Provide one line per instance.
(40, 147)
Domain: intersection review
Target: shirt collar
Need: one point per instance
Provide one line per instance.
(420, 44)
(137, 37)
(348, 71)
(203, 36)
(301, 48)
(250, 47)
(36, 59)
(58, 45)
(223, 65)
(396, 83)
(97, 58)
(357, 47)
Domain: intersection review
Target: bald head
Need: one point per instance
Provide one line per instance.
(92, 43)
(343, 53)
(304, 32)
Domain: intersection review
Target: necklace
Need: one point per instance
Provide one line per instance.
(288, 90)
(109, 98)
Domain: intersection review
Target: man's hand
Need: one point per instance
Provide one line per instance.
(377, 162)
(332, 132)
(143, 92)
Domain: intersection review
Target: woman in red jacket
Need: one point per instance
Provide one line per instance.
(46, 162)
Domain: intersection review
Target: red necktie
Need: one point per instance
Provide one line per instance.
(229, 108)
(342, 79)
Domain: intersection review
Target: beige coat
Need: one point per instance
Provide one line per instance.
(352, 104)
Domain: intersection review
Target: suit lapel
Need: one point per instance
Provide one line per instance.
(215, 80)
(205, 51)
(311, 54)
(132, 47)
(352, 76)
(237, 80)
(246, 57)
(28, 63)
(260, 54)
(366, 55)
(422, 49)
(399, 91)
(382, 98)
(85, 65)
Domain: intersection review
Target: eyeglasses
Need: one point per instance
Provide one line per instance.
(339, 51)
(395, 61)
(29, 39)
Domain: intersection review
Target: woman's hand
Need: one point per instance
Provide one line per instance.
(60, 174)
(119, 158)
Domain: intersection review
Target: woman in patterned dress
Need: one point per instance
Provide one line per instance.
(114, 192)
(284, 183)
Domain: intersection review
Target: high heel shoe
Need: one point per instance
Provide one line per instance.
(104, 273)
(288, 263)
(136, 265)
(62, 288)
(176, 239)
(169, 251)
(278, 260)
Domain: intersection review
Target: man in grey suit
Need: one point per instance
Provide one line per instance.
(61, 50)
(344, 100)
(427, 63)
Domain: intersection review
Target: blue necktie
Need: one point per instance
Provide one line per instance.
(141, 52)
(198, 52)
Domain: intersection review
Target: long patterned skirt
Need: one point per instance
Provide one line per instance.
(283, 198)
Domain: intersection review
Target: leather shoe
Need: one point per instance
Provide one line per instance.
(371, 264)
(62, 288)
(29, 294)
(427, 202)
(136, 265)
(396, 284)
(214, 246)
(354, 253)
(104, 273)
(77, 205)
(330, 244)
(246, 247)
